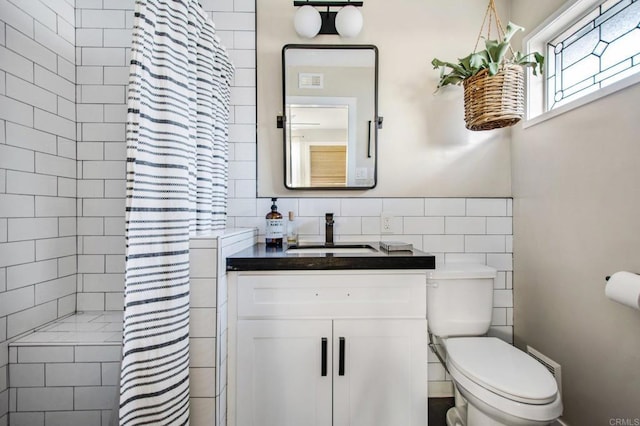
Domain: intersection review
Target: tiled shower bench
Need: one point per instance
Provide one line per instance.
(66, 373)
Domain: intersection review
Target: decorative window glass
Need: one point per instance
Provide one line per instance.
(598, 50)
(592, 48)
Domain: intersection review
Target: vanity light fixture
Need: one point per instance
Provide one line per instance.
(309, 21)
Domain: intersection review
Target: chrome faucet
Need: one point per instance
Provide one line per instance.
(328, 229)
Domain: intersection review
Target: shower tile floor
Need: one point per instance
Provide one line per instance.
(82, 328)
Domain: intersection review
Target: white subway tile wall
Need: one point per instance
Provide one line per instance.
(37, 184)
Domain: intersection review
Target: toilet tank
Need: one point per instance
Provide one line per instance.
(460, 299)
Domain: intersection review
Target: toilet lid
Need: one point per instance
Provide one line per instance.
(502, 368)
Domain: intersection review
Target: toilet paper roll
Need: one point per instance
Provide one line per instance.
(624, 287)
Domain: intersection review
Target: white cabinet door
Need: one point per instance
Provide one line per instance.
(280, 379)
(384, 379)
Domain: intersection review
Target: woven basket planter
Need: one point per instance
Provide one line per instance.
(492, 102)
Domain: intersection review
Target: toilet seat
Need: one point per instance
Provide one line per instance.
(502, 368)
(503, 377)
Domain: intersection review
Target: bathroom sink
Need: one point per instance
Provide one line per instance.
(319, 256)
(336, 249)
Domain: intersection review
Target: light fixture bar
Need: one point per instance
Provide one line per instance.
(328, 3)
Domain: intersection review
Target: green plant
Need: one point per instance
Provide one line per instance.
(491, 58)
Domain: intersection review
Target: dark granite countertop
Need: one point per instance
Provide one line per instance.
(262, 258)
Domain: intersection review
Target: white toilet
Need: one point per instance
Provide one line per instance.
(495, 383)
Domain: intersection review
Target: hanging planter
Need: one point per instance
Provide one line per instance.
(494, 101)
(493, 82)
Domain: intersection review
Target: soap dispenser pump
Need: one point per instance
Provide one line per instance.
(274, 230)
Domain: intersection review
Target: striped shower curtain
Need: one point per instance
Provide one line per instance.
(177, 134)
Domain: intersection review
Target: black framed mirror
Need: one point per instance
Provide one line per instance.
(330, 123)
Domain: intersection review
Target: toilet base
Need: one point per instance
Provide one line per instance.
(470, 411)
(456, 416)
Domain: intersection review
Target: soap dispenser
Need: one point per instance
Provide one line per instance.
(274, 229)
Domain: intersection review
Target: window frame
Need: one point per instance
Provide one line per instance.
(552, 27)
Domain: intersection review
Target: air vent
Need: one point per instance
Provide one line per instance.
(310, 80)
(553, 367)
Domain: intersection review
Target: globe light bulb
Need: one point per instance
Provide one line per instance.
(349, 21)
(307, 21)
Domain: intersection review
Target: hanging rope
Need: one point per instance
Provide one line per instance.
(491, 16)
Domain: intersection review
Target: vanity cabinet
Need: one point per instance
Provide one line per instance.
(279, 377)
(327, 348)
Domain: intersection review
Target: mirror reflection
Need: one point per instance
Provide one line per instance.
(330, 105)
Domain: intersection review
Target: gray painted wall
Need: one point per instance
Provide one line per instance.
(576, 185)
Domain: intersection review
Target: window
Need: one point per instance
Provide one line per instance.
(592, 48)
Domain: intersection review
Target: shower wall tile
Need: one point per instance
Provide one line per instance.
(13, 63)
(114, 301)
(54, 206)
(15, 111)
(37, 172)
(244, 40)
(89, 37)
(55, 83)
(28, 319)
(114, 225)
(30, 94)
(88, 75)
(45, 399)
(94, 94)
(103, 56)
(53, 123)
(66, 109)
(27, 419)
(55, 289)
(68, 265)
(16, 205)
(114, 113)
(30, 183)
(234, 21)
(244, 78)
(29, 48)
(30, 138)
(31, 273)
(66, 147)
(102, 18)
(90, 151)
(103, 207)
(19, 19)
(67, 418)
(55, 165)
(32, 228)
(16, 158)
(117, 38)
(17, 253)
(103, 169)
(104, 245)
(51, 248)
(67, 70)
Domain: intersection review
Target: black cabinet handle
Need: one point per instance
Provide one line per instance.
(341, 359)
(323, 366)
